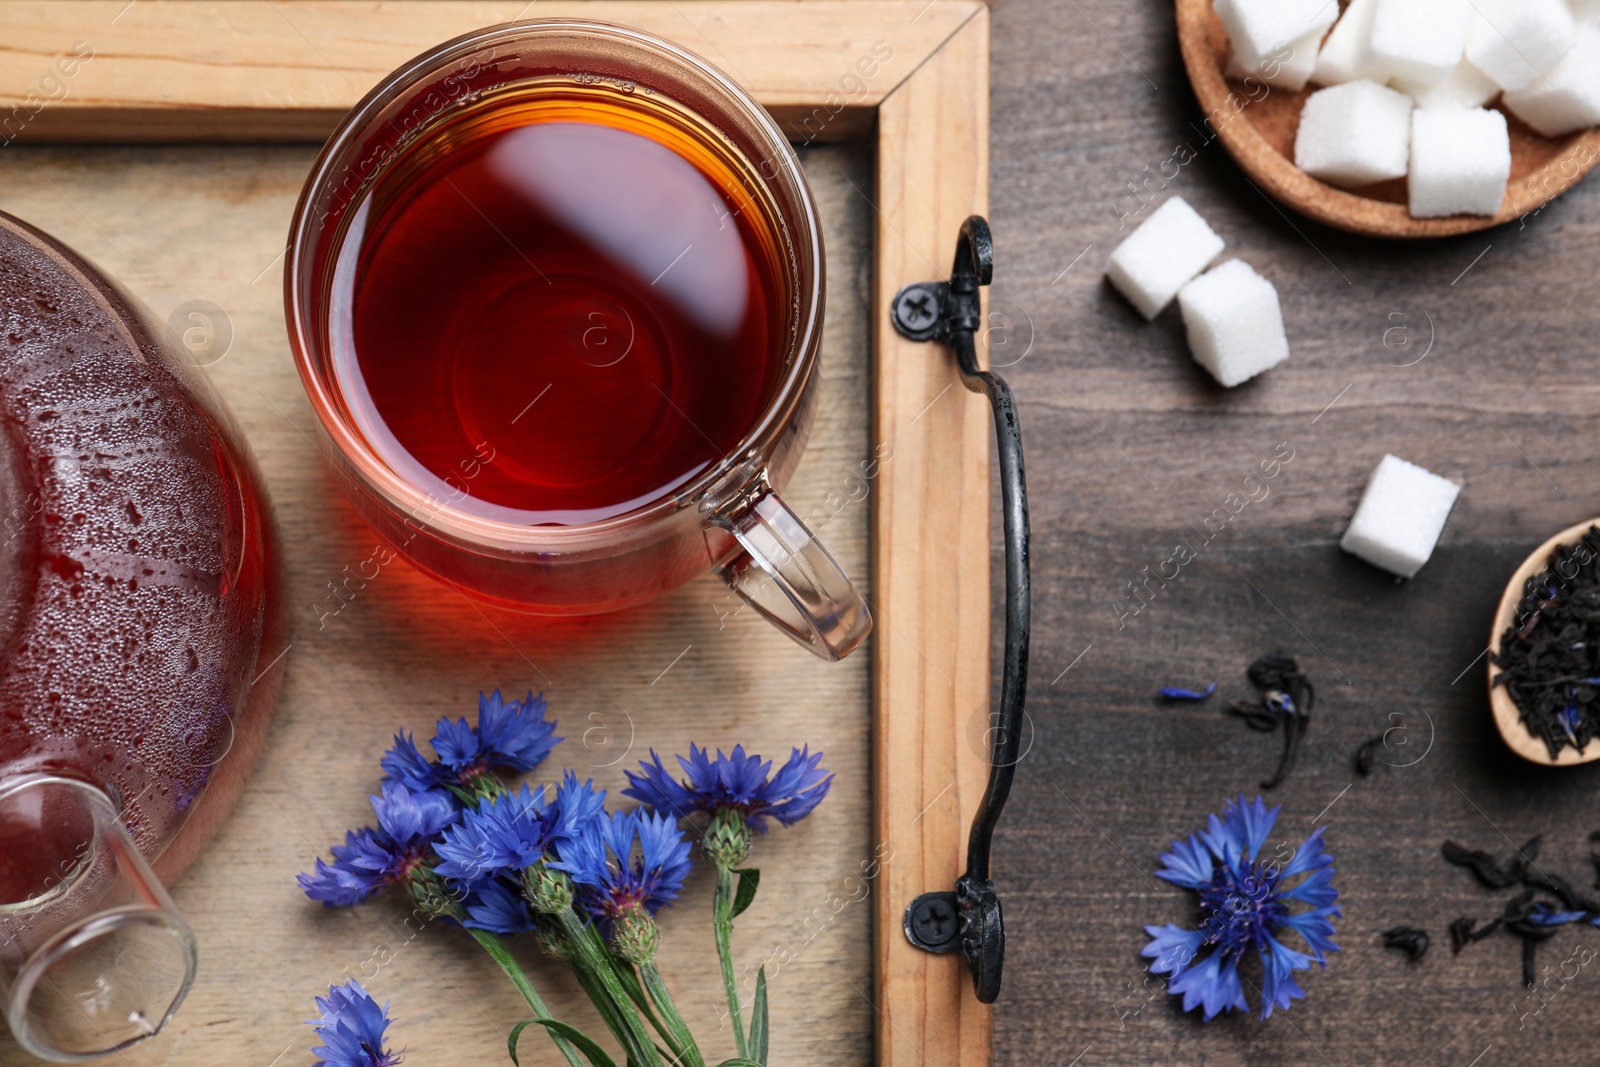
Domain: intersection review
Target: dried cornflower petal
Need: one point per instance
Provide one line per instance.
(1173, 692)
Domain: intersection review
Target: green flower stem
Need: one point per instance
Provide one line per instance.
(682, 1038)
(497, 951)
(722, 907)
(636, 1042)
(630, 980)
(601, 1001)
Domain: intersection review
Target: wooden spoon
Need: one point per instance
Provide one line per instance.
(1506, 716)
(1260, 137)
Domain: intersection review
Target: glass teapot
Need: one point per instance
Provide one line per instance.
(136, 607)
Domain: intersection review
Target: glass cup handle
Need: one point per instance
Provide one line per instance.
(786, 575)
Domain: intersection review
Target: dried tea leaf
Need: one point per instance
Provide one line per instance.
(1258, 717)
(1554, 883)
(1481, 863)
(1408, 939)
(1366, 754)
(1518, 908)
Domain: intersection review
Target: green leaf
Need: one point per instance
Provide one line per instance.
(749, 880)
(739, 1062)
(758, 1020)
(594, 1053)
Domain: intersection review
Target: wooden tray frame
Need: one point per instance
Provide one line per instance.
(286, 70)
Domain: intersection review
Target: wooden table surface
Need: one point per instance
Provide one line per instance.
(1129, 443)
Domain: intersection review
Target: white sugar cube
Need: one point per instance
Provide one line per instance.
(1234, 323)
(1354, 134)
(1401, 515)
(1419, 40)
(1568, 97)
(1460, 161)
(1258, 28)
(1515, 41)
(1167, 250)
(1346, 55)
(1467, 86)
(1287, 67)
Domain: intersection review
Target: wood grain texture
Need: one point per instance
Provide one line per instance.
(929, 767)
(1257, 125)
(287, 70)
(1507, 719)
(176, 224)
(1088, 97)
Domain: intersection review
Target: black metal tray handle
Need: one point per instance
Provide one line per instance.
(969, 918)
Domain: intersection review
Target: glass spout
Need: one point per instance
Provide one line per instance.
(93, 955)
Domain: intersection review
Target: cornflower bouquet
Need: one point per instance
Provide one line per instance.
(554, 863)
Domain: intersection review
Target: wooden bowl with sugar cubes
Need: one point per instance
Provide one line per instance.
(1401, 118)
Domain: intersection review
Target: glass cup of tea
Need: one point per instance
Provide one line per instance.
(555, 291)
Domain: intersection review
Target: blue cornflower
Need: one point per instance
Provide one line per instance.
(513, 736)
(407, 766)
(577, 803)
(510, 736)
(497, 907)
(370, 859)
(509, 833)
(504, 835)
(736, 782)
(352, 1029)
(1244, 903)
(627, 860)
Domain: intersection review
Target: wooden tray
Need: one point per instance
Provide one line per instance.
(905, 85)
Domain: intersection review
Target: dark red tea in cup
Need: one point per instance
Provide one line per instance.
(574, 295)
(555, 292)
